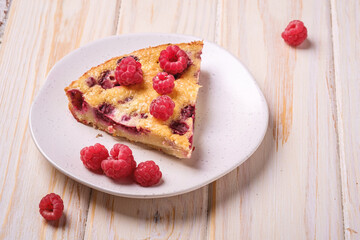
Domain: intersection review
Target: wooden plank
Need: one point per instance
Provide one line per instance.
(290, 188)
(38, 34)
(346, 38)
(181, 217)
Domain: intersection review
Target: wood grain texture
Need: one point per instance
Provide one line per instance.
(302, 182)
(346, 37)
(38, 34)
(290, 188)
(181, 217)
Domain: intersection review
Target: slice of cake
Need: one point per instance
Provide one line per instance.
(146, 96)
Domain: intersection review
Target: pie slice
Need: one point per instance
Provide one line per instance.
(98, 100)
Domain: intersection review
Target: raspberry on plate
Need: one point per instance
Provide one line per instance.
(93, 156)
(128, 72)
(173, 59)
(163, 83)
(162, 107)
(117, 168)
(123, 152)
(295, 33)
(147, 174)
(51, 207)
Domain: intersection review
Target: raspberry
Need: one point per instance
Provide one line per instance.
(147, 174)
(123, 152)
(163, 83)
(51, 206)
(162, 107)
(93, 156)
(117, 168)
(173, 60)
(128, 72)
(295, 33)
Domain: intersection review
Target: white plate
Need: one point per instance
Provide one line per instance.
(231, 120)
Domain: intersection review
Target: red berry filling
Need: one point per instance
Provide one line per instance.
(179, 127)
(173, 60)
(162, 107)
(128, 72)
(163, 83)
(188, 111)
(90, 81)
(93, 156)
(51, 207)
(77, 99)
(106, 108)
(295, 33)
(127, 99)
(147, 174)
(107, 79)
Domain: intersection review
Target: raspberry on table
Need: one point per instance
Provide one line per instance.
(117, 168)
(123, 152)
(295, 33)
(163, 83)
(51, 207)
(173, 59)
(128, 72)
(93, 156)
(162, 107)
(147, 174)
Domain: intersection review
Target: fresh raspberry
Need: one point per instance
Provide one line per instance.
(117, 168)
(173, 60)
(162, 107)
(163, 83)
(147, 174)
(123, 152)
(128, 72)
(51, 206)
(93, 156)
(295, 33)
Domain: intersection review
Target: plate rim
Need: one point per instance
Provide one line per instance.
(149, 196)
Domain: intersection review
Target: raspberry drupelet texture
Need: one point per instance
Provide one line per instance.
(173, 60)
(123, 152)
(162, 107)
(147, 174)
(120, 164)
(51, 207)
(116, 168)
(163, 83)
(93, 156)
(295, 33)
(128, 72)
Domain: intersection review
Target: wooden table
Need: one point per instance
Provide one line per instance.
(302, 182)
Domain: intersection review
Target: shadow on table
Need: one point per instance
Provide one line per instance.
(190, 209)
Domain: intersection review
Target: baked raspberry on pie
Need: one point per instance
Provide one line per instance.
(116, 96)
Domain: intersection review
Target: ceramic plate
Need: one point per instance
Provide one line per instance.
(231, 120)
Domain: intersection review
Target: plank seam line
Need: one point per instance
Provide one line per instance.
(339, 131)
(210, 200)
(87, 212)
(117, 17)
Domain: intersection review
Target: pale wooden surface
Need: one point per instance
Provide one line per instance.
(302, 182)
